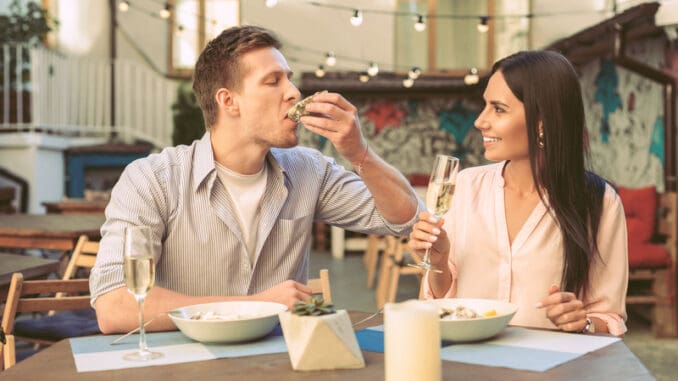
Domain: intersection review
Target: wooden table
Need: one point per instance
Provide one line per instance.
(31, 267)
(47, 231)
(76, 206)
(614, 362)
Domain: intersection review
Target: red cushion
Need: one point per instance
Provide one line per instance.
(648, 256)
(418, 179)
(640, 205)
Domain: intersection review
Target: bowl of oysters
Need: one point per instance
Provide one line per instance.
(463, 320)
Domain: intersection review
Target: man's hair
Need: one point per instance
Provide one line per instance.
(219, 64)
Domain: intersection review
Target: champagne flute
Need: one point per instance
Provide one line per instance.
(439, 195)
(139, 268)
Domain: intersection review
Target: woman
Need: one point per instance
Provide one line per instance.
(537, 228)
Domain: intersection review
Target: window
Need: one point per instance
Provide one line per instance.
(193, 23)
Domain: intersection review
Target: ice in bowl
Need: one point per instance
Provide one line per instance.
(227, 322)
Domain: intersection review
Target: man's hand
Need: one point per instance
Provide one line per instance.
(287, 293)
(336, 119)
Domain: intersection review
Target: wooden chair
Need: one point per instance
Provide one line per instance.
(322, 285)
(652, 281)
(84, 255)
(7, 354)
(375, 245)
(29, 296)
(394, 264)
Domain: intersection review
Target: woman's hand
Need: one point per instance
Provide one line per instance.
(564, 310)
(428, 233)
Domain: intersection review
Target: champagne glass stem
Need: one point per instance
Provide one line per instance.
(142, 330)
(427, 257)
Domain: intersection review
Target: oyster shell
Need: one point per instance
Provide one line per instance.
(298, 110)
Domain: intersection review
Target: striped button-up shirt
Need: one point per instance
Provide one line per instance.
(199, 246)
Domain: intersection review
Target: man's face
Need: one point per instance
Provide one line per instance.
(264, 96)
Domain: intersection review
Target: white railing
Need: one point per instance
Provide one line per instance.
(41, 90)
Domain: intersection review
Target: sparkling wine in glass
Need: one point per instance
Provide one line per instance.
(139, 268)
(439, 195)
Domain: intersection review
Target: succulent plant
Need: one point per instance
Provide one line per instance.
(315, 307)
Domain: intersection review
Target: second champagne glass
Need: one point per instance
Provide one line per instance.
(439, 195)
(139, 268)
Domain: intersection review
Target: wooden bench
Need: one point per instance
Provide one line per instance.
(652, 270)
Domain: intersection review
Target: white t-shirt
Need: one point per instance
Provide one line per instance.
(246, 192)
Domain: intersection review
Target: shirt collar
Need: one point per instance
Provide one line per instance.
(203, 161)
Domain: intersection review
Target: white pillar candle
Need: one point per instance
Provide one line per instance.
(411, 342)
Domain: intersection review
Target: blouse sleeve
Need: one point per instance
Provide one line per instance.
(608, 279)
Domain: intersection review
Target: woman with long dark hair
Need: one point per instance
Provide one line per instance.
(537, 228)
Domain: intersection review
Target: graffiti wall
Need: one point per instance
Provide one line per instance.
(409, 133)
(624, 117)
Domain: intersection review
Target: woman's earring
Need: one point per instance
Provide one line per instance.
(540, 140)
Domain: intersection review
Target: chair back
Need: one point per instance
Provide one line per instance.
(30, 296)
(84, 255)
(321, 285)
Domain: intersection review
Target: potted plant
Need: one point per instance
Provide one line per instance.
(318, 337)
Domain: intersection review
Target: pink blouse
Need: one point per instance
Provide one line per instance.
(485, 265)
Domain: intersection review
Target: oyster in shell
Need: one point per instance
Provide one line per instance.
(298, 110)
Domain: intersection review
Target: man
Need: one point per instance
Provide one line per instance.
(232, 213)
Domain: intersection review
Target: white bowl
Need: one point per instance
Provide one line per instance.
(475, 329)
(240, 321)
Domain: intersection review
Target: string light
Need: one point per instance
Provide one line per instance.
(482, 25)
(165, 12)
(472, 77)
(271, 3)
(420, 26)
(373, 69)
(414, 73)
(330, 59)
(364, 77)
(408, 82)
(320, 71)
(123, 6)
(357, 18)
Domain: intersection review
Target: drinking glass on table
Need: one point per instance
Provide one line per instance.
(439, 195)
(139, 268)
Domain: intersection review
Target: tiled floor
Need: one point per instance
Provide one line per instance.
(349, 291)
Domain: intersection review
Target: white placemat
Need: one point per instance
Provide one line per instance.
(95, 353)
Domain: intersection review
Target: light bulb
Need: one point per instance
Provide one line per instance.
(414, 73)
(165, 12)
(373, 69)
(271, 3)
(123, 6)
(357, 18)
(482, 25)
(180, 30)
(420, 26)
(364, 77)
(320, 71)
(330, 59)
(472, 77)
(408, 82)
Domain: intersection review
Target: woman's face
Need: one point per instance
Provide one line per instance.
(502, 122)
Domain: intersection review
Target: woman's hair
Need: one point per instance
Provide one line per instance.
(219, 64)
(548, 86)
